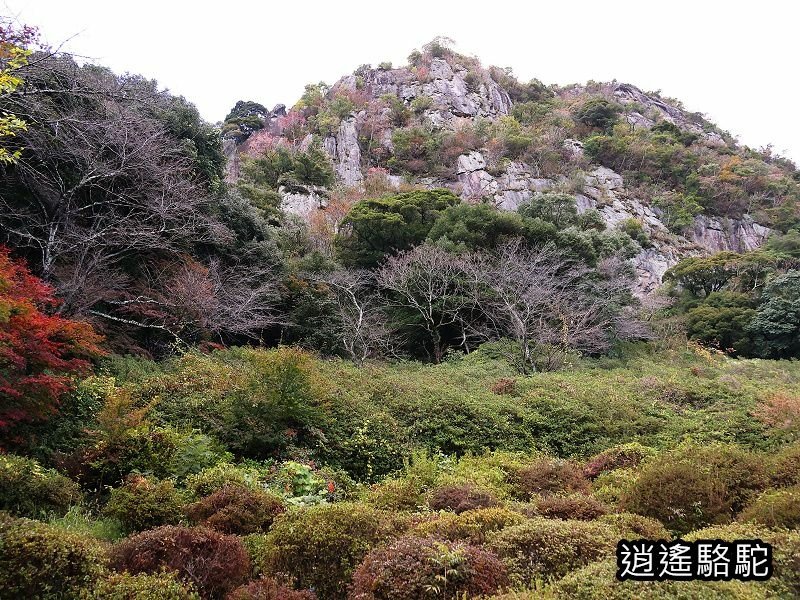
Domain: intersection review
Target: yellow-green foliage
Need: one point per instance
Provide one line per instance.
(775, 508)
(472, 525)
(45, 562)
(549, 548)
(144, 503)
(30, 490)
(124, 586)
(320, 546)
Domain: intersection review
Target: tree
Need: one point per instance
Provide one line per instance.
(39, 353)
(429, 290)
(558, 209)
(14, 54)
(362, 324)
(547, 303)
(598, 112)
(704, 274)
(475, 227)
(377, 227)
(776, 324)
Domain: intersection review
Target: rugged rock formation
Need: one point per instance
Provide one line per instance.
(446, 93)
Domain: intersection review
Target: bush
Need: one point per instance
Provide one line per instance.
(611, 486)
(320, 546)
(144, 503)
(413, 568)
(459, 498)
(124, 586)
(268, 589)
(551, 548)
(598, 582)
(397, 494)
(27, 489)
(785, 467)
(572, 506)
(623, 456)
(636, 526)
(237, 509)
(209, 480)
(214, 562)
(693, 486)
(45, 562)
(472, 525)
(775, 508)
(549, 476)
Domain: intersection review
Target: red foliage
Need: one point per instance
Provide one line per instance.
(39, 353)
(412, 567)
(236, 509)
(268, 589)
(214, 562)
(550, 476)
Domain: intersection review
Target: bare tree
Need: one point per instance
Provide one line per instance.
(433, 285)
(545, 302)
(363, 329)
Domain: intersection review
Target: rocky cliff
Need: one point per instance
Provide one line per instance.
(448, 93)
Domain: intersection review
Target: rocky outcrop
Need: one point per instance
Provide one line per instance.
(303, 202)
(348, 154)
(738, 235)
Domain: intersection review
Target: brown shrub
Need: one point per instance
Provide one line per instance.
(572, 506)
(550, 476)
(412, 568)
(785, 467)
(505, 386)
(780, 411)
(460, 498)
(214, 562)
(237, 509)
(623, 456)
(268, 589)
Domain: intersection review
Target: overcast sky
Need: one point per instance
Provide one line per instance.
(736, 62)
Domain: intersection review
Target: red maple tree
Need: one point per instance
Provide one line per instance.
(40, 353)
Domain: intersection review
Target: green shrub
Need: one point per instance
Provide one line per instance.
(472, 526)
(318, 547)
(79, 520)
(775, 508)
(693, 486)
(209, 480)
(598, 112)
(236, 509)
(416, 150)
(144, 503)
(30, 490)
(570, 506)
(545, 548)
(268, 589)
(414, 568)
(214, 562)
(611, 486)
(124, 586)
(45, 562)
(460, 498)
(549, 476)
(396, 494)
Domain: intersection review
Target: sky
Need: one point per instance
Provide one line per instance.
(734, 61)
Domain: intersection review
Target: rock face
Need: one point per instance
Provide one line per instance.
(348, 154)
(447, 94)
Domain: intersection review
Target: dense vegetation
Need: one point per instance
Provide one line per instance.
(403, 396)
